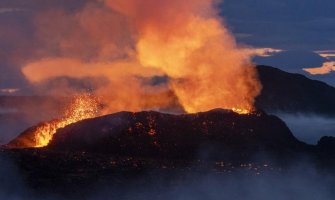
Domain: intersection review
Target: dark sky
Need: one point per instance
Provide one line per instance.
(285, 24)
(300, 27)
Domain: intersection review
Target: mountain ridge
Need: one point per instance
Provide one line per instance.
(294, 93)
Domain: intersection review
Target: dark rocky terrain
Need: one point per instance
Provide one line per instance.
(125, 147)
(221, 133)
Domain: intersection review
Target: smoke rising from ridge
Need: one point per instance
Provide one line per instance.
(128, 41)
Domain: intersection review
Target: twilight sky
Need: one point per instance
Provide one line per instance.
(303, 29)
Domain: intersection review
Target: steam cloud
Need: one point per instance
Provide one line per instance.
(129, 41)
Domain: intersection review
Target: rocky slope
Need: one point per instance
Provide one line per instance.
(217, 134)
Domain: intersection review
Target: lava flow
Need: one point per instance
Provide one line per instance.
(82, 107)
(242, 111)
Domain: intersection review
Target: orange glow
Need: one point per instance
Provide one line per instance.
(241, 111)
(185, 41)
(83, 107)
(188, 42)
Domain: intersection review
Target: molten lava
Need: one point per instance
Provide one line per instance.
(83, 107)
(241, 111)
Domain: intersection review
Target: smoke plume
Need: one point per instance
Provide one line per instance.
(131, 41)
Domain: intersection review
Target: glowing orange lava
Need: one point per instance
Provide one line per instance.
(241, 111)
(83, 107)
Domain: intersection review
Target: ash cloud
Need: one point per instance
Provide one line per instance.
(126, 41)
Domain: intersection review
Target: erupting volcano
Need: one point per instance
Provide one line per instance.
(142, 99)
(135, 56)
(184, 45)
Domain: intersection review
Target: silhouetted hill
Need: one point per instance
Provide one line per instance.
(294, 93)
(151, 134)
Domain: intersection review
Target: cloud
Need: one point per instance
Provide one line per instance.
(10, 10)
(279, 24)
(326, 68)
(263, 52)
(129, 40)
(292, 61)
(9, 90)
(329, 54)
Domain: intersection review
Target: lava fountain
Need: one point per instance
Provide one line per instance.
(82, 107)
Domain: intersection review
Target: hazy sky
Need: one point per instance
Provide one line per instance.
(300, 27)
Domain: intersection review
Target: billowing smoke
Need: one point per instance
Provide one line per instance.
(129, 42)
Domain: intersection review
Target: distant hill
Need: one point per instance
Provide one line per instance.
(294, 93)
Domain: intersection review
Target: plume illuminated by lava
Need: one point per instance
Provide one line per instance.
(128, 41)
